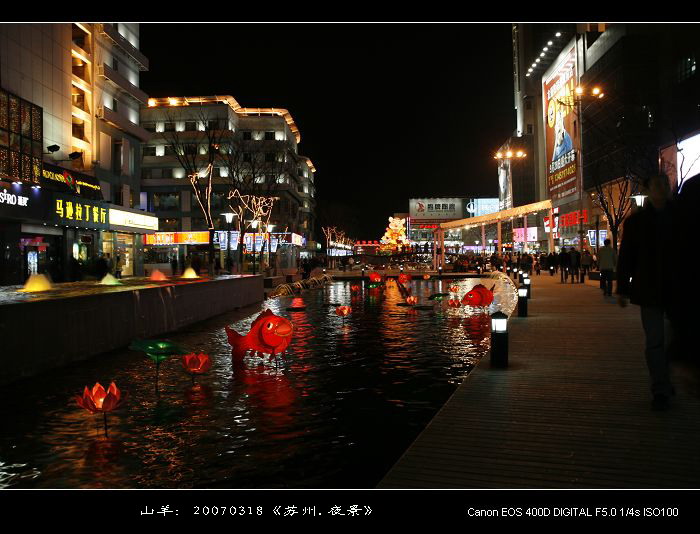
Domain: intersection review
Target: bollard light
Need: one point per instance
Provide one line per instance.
(522, 302)
(520, 276)
(528, 287)
(440, 271)
(499, 339)
(324, 270)
(551, 270)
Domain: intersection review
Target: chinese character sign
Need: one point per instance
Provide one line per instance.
(76, 211)
(562, 142)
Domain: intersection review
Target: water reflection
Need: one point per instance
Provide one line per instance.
(337, 411)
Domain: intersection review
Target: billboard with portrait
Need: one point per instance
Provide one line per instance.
(561, 135)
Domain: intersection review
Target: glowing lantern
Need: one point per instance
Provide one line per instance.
(158, 351)
(189, 273)
(375, 277)
(454, 289)
(343, 311)
(426, 277)
(479, 296)
(157, 276)
(404, 278)
(36, 282)
(268, 334)
(196, 364)
(109, 280)
(453, 303)
(355, 288)
(98, 400)
(411, 301)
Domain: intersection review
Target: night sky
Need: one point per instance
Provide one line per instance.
(386, 113)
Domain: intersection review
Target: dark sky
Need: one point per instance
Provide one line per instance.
(386, 112)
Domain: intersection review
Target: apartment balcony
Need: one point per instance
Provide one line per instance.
(122, 123)
(108, 31)
(120, 83)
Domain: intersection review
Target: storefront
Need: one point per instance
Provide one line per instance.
(124, 241)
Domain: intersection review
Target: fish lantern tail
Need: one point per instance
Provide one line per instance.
(234, 338)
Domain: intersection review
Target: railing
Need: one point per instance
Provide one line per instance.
(105, 71)
(120, 41)
(122, 123)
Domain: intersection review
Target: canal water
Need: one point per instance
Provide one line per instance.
(336, 412)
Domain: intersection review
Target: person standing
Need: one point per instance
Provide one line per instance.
(173, 265)
(575, 256)
(564, 264)
(586, 261)
(642, 278)
(607, 262)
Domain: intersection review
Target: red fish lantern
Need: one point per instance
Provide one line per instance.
(411, 301)
(343, 311)
(375, 277)
(268, 334)
(404, 278)
(454, 289)
(426, 277)
(354, 288)
(479, 296)
(196, 364)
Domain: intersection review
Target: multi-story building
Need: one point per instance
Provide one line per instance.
(75, 87)
(256, 152)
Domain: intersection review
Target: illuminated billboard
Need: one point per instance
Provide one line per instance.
(431, 210)
(561, 135)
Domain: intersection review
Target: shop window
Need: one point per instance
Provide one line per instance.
(247, 136)
(190, 126)
(169, 225)
(149, 151)
(269, 136)
(687, 67)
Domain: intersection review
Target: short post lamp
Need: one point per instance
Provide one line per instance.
(551, 270)
(363, 273)
(499, 339)
(528, 286)
(269, 229)
(522, 302)
(508, 270)
(254, 224)
(440, 271)
(520, 276)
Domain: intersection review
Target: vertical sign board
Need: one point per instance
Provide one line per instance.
(561, 138)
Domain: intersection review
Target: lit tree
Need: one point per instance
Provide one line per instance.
(196, 151)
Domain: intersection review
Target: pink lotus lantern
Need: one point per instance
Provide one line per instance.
(343, 311)
(426, 277)
(454, 289)
(411, 301)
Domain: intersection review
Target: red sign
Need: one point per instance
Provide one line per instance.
(573, 218)
(177, 238)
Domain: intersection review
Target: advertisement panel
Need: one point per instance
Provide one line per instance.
(505, 187)
(427, 210)
(482, 206)
(561, 138)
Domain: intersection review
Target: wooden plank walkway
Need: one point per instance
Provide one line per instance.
(573, 410)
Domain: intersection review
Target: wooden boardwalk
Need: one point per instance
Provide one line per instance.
(571, 411)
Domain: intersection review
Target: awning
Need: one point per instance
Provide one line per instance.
(492, 218)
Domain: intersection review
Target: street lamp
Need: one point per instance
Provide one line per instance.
(639, 199)
(254, 225)
(229, 219)
(269, 229)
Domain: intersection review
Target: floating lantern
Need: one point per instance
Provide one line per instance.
(479, 296)
(375, 277)
(343, 311)
(189, 273)
(426, 277)
(109, 280)
(404, 278)
(453, 303)
(268, 334)
(355, 288)
(36, 282)
(157, 276)
(158, 351)
(411, 301)
(98, 400)
(196, 364)
(454, 289)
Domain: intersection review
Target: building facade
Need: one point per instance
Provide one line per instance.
(70, 104)
(256, 152)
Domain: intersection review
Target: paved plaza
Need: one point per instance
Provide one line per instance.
(571, 411)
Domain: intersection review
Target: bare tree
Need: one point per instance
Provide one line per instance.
(196, 151)
(254, 179)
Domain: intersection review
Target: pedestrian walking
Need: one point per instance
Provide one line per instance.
(607, 262)
(575, 256)
(173, 265)
(564, 264)
(642, 279)
(586, 262)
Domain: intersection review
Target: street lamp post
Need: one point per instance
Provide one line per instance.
(254, 224)
(229, 219)
(269, 229)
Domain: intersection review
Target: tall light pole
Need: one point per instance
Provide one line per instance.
(254, 224)
(269, 229)
(229, 219)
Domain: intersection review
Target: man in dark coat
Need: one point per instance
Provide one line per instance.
(642, 277)
(564, 264)
(575, 256)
